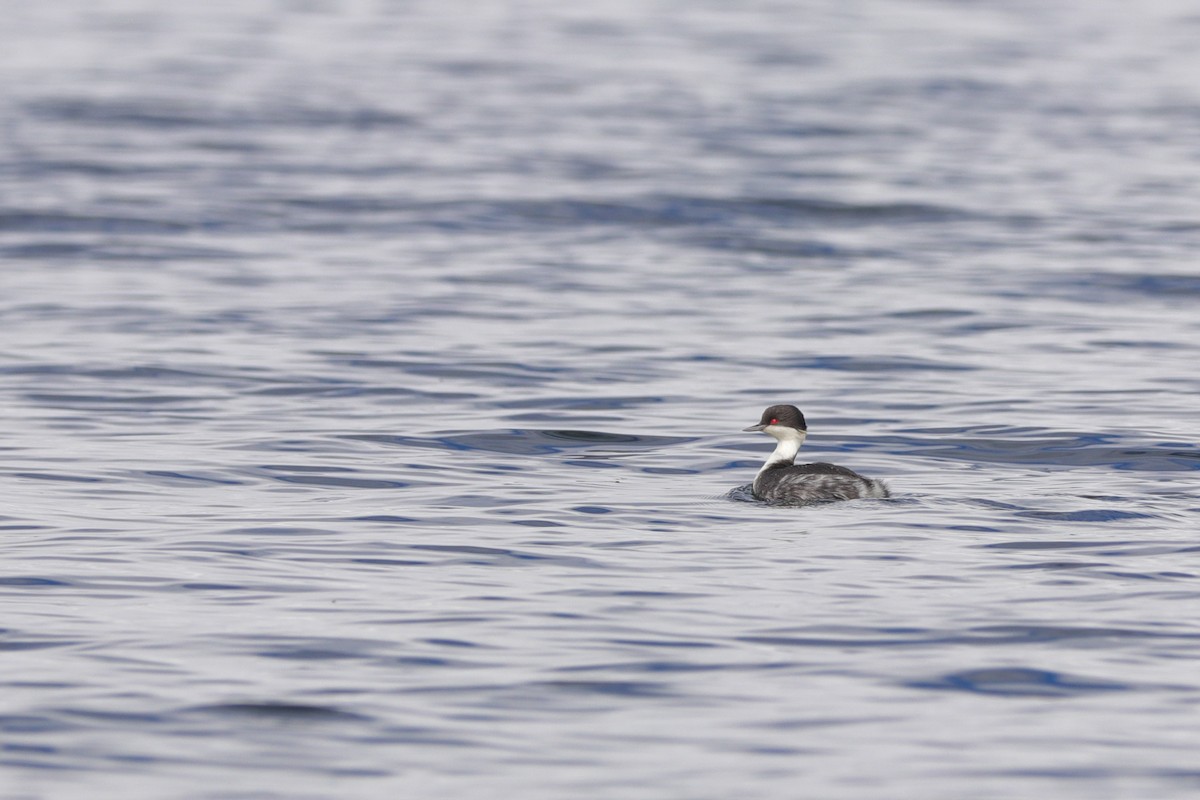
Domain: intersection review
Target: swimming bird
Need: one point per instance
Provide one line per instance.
(782, 482)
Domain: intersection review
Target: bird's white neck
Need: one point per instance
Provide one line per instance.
(788, 441)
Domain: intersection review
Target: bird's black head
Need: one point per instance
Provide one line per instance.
(783, 416)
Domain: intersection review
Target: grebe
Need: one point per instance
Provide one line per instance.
(783, 483)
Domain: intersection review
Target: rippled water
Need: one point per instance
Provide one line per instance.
(374, 376)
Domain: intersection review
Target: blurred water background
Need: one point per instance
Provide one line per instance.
(373, 376)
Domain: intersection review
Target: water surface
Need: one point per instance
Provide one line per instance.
(374, 377)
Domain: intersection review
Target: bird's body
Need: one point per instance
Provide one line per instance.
(782, 482)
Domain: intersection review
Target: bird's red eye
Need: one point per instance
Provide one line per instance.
(773, 421)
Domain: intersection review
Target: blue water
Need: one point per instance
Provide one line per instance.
(373, 377)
